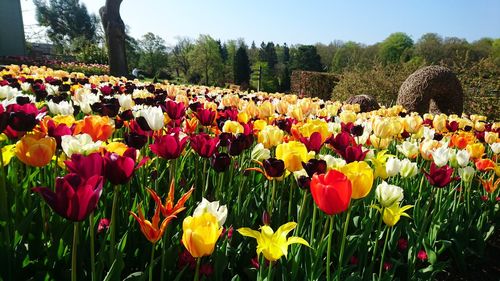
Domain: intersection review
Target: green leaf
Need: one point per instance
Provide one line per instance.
(136, 276)
(116, 268)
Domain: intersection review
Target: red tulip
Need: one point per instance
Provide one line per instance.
(75, 197)
(313, 143)
(331, 192)
(205, 116)
(204, 145)
(175, 110)
(439, 177)
(354, 153)
(86, 166)
(168, 146)
(23, 118)
(119, 169)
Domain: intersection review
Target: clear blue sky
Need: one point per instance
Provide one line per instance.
(306, 22)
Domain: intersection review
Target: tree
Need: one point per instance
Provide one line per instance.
(396, 48)
(241, 67)
(306, 58)
(153, 53)
(114, 28)
(495, 51)
(347, 56)
(430, 48)
(206, 60)
(286, 54)
(180, 56)
(67, 20)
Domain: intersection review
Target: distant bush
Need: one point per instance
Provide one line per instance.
(313, 84)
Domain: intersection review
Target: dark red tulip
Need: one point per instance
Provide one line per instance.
(314, 166)
(304, 182)
(57, 131)
(220, 162)
(204, 145)
(274, 167)
(75, 198)
(4, 119)
(225, 139)
(22, 118)
(452, 126)
(313, 143)
(86, 166)
(119, 169)
(238, 145)
(135, 140)
(354, 153)
(357, 130)
(205, 116)
(175, 110)
(341, 141)
(439, 177)
(169, 146)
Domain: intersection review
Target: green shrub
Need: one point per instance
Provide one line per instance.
(313, 84)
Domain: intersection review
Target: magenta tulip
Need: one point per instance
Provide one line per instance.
(168, 146)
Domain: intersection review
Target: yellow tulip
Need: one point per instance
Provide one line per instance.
(273, 245)
(259, 125)
(243, 117)
(270, 136)
(490, 137)
(393, 213)
(379, 162)
(439, 123)
(233, 127)
(293, 154)
(266, 110)
(361, 176)
(116, 147)
(476, 150)
(35, 152)
(382, 128)
(348, 116)
(316, 125)
(380, 143)
(8, 152)
(200, 233)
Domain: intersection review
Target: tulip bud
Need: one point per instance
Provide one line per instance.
(388, 195)
(260, 153)
(408, 169)
(495, 147)
(266, 218)
(392, 166)
(466, 174)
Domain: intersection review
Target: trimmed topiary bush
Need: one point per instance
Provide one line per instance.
(366, 102)
(434, 89)
(313, 84)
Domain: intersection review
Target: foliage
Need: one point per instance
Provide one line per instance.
(269, 81)
(313, 84)
(241, 67)
(396, 48)
(306, 58)
(153, 54)
(206, 61)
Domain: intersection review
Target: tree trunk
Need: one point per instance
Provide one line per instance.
(114, 29)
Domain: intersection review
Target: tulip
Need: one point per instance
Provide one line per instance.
(392, 166)
(153, 116)
(439, 177)
(260, 153)
(485, 164)
(475, 150)
(495, 147)
(100, 128)
(204, 145)
(293, 154)
(62, 108)
(408, 169)
(205, 116)
(220, 162)
(331, 192)
(466, 174)
(379, 162)
(200, 233)
(333, 162)
(361, 176)
(422, 255)
(315, 126)
(35, 152)
(314, 166)
(393, 213)
(56, 131)
(75, 197)
(388, 195)
(270, 136)
(382, 128)
(273, 245)
(86, 166)
(313, 143)
(169, 209)
(218, 211)
(79, 144)
(462, 157)
(152, 230)
(169, 146)
(22, 118)
(489, 185)
(232, 127)
(440, 156)
(175, 110)
(119, 169)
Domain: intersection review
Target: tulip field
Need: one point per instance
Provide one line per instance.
(105, 178)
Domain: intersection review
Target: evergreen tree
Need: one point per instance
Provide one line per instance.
(306, 58)
(286, 54)
(241, 67)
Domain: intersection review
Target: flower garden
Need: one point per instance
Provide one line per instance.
(108, 179)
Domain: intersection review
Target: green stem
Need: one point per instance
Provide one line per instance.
(151, 261)
(290, 200)
(273, 194)
(92, 247)
(302, 212)
(342, 244)
(113, 223)
(197, 272)
(269, 272)
(313, 226)
(4, 215)
(74, 251)
(329, 250)
(383, 254)
(375, 247)
(205, 179)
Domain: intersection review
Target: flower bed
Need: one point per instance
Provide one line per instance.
(105, 178)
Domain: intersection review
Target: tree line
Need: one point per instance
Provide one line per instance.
(207, 60)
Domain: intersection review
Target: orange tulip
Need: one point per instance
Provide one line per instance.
(151, 229)
(485, 164)
(461, 140)
(169, 209)
(489, 185)
(98, 127)
(34, 151)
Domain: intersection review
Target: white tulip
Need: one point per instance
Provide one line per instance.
(260, 153)
(205, 206)
(440, 156)
(392, 166)
(388, 195)
(466, 174)
(408, 149)
(79, 144)
(495, 147)
(154, 117)
(463, 157)
(408, 169)
(62, 108)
